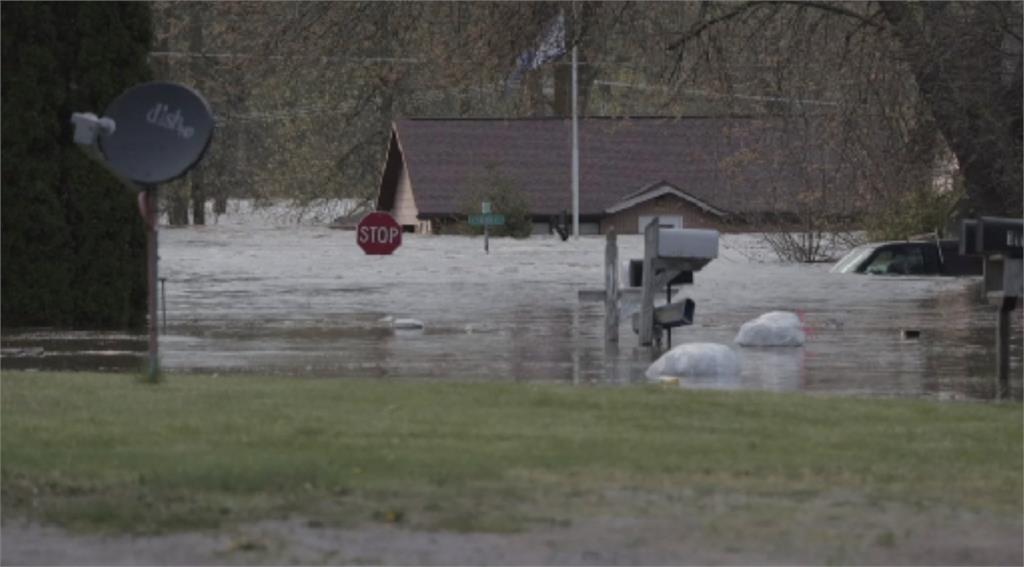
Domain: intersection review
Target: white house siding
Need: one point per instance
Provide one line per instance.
(405, 210)
(628, 221)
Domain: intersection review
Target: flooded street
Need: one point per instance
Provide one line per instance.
(305, 300)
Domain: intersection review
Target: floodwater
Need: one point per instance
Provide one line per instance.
(262, 297)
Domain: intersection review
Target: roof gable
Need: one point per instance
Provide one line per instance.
(659, 189)
(725, 164)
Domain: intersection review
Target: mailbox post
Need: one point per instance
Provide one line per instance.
(670, 258)
(670, 253)
(999, 241)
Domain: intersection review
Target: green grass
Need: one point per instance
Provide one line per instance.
(105, 452)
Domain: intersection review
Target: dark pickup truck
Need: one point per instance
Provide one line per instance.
(915, 258)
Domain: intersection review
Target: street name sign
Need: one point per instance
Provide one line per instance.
(488, 219)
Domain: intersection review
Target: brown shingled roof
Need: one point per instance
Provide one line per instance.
(729, 163)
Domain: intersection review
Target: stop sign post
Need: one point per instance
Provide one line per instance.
(378, 234)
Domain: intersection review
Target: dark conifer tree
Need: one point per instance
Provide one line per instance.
(73, 241)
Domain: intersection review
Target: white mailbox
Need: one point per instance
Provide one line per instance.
(688, 243)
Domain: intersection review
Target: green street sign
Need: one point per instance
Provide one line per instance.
(490, 219)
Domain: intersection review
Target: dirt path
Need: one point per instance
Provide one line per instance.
(596, 541)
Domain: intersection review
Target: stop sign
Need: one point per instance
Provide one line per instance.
(378, 233)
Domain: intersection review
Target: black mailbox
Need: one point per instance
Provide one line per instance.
(636, 275)
(998, 235)
(670, 315)
(969, 237)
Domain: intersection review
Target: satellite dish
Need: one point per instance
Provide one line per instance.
(162, 131)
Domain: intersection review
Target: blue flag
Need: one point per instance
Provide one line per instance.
(550, 46)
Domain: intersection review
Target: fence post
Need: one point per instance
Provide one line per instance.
(611, 288)
(1003, 347)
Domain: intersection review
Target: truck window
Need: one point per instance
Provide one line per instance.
(897, 260)
(880, 262)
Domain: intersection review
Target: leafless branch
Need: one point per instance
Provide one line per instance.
(703, 26)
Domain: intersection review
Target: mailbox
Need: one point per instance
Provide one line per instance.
(671, 315)
(688, 243)
(969, 237)
(998, 240)
(1013, 278)
(998, 235)
(633, 275)
(670, 254)
(989, 236)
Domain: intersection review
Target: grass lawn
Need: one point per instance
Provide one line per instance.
(105, 452)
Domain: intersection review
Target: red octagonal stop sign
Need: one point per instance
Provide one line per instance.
(378, 233)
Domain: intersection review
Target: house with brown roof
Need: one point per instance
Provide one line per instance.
(711, 172)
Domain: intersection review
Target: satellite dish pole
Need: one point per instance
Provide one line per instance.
(151, 134)
(149, 197)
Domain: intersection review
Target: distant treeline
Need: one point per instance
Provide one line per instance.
(73, 243)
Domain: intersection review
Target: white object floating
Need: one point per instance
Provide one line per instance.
(407, 324)
(774, 329)
(695, 359)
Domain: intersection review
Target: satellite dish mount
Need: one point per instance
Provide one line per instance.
(151, 134)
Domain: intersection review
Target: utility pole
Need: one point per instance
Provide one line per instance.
(575, 154)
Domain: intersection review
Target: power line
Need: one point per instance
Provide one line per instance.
(709, 94)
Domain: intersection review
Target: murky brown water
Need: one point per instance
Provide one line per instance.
(302, 300)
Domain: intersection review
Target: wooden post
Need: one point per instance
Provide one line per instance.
(647, 294)
(1003, 347)
(611, 288)
(668, 331)
(152, 220)
(163, 304)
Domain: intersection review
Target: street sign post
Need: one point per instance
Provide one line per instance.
(378, 234)
(485, 208)
(487, 219)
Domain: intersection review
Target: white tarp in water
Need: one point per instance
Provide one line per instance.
(774, 329)
(695, 359)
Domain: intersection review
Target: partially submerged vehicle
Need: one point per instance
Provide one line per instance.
(912, 257)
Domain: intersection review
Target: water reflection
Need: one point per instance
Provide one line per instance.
(306, 301)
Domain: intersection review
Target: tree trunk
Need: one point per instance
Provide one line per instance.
(176, 197)
(198, 197)
(959, 75)
(535, 94)
(195, 45)
(563, 89)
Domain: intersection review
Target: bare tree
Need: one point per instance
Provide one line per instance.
(918, 68)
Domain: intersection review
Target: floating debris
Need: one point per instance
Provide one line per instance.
(407, 324)
(774, 329)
